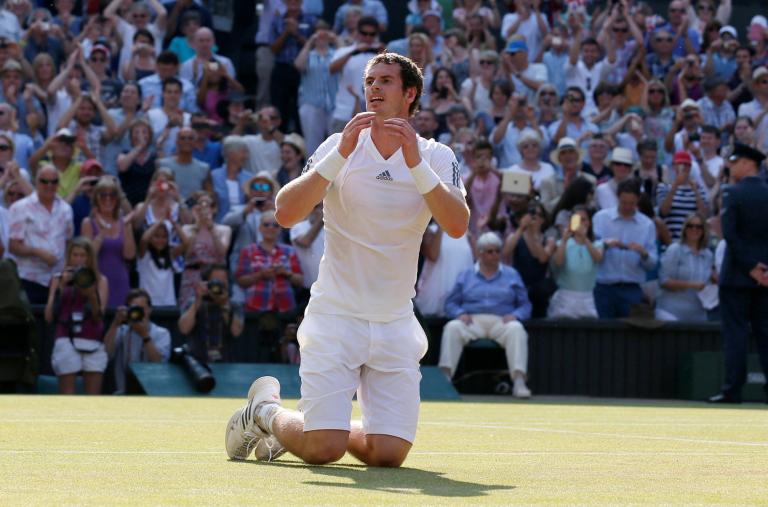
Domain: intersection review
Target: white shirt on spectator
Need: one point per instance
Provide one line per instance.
(309, 257)
(481, 98)
(753, 109)
(127, 31)
(157, 282)
(158, 120)
(534, 72)
(587, 79)
(9, 25)
(4, 231)
(192, 69)
(529, 29)
(351, 75)
(265, 155)
(36, 227)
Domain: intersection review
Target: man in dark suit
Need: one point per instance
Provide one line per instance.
(744, 275)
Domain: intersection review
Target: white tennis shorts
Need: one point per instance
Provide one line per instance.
(65, 359)
(341, 355)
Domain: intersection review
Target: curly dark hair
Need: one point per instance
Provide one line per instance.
(410, 74)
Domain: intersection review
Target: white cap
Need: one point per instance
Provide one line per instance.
(621, 156)
(731, 30)
(759, 20)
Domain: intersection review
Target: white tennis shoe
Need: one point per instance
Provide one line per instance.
(246, 431)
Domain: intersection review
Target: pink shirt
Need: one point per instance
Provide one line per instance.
(37, 227)
(483, 193)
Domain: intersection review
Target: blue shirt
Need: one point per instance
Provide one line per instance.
(502, 294)
(555, 64)
(318, 86)
(621, 265)
(679, 262)
(153, 85)
(579, 271)
(291, 47)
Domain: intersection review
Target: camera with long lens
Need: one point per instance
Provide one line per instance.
(198, 372)
(83, 278)
(216, 287)
(135, 314)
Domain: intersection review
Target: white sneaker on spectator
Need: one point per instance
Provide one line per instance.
(520, 390)
(247, 430)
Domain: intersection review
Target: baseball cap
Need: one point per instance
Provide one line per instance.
(689, 103)
(10, 65)
(730, 30)
(682, 157)
(515, 46)
(91, 167)
(759, 72)
(759, 20)
(64, 133)
(104, 49)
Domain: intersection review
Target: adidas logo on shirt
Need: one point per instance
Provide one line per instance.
(385, 176)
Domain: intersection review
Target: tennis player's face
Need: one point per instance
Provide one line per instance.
(384, 92)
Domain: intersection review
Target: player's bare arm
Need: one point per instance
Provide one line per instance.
(447, 204)
(298, 198)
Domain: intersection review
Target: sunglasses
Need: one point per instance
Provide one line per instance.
(705, 8)
(692, 78)
(551, 94)
(4, 147)
(2, 113)
(529, 145)
(675, 9)
(45, 181)
(663, 39)
(261, 187)
(487, 62)
(659, 91)
(763, 81)
(695, 226)
(108, 195)
(621, 30)
(368, 34)
(273, 225)
(573, 98)
(14, 195)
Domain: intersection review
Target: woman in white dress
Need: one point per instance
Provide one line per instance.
(445, 258)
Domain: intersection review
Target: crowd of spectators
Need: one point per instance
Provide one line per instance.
(122, 125)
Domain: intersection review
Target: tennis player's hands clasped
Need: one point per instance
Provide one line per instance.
(402, 129)
(352, 131)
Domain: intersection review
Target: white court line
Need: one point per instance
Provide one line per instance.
(739, 423)
(417, 453)
(601, 434)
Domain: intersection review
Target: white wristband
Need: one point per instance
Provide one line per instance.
(425, 178)
(330, 166)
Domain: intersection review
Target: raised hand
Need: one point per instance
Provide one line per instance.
(402, 129)
(351, 132)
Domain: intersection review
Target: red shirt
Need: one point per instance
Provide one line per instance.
(268, 294)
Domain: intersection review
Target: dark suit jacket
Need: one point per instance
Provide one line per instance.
(745, 229)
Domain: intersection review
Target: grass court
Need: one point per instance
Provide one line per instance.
(482, 451)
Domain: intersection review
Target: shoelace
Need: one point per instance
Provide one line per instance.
(248, 445)
(270, 443)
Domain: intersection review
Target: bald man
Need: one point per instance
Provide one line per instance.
(191, 174)
(203, 44)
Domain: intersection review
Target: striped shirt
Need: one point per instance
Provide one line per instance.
(318, 86)
(683, 204)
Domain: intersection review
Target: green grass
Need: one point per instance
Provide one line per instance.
(150, 451)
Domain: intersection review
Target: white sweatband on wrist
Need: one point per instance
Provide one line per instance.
(330, 165)
(425, 178)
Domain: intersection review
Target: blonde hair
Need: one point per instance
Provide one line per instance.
(107, 183)
(90, 252)
(704, 239)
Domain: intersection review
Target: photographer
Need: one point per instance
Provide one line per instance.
(212, 320)
(76, 301)
(133, 338)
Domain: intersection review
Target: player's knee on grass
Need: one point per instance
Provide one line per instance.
(387, 451)
(324, 446)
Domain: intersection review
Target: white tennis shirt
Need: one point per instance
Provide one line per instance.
(374, 222)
